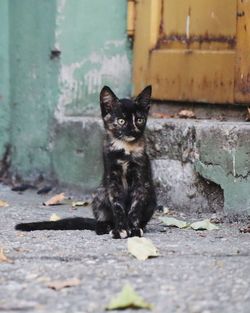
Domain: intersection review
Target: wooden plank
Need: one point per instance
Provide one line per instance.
(206, 16)
(131, 18)
(196, 24)
(242, 64)
(148, 13)
(186, 75)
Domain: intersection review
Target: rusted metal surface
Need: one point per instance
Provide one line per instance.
(165, 40)
(195, 17)
(192, 75)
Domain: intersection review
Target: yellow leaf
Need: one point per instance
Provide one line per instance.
(186, 114)
(54, 217)
(171, 221)
(204, 225)
(128, 298)
(141, 248)
(57, 199)
(3, 204)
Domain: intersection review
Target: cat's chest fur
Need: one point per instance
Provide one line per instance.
(132, 150)
(127, 155)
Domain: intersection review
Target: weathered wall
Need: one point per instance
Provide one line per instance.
(94, 51)
(33, 81)
(61, 53)
(202, 165)
(91, 36)
(4, 78)
(55, 55)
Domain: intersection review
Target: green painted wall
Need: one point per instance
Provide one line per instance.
(91, 36)
(46, 92)
(33, 81)
(4, 78)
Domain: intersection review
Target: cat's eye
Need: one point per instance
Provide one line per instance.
(140, 120)
(121, 121)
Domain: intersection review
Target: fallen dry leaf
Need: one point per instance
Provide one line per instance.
(60, 284)
(141, 248)
(161, 115)
(3, 257)
(57, 199)
(54, 217)
(186, 114)
(80, 203)
(171, 221)
(21, 234)
(204, 225)
(128, 298)
(3, 204)
(248, 115)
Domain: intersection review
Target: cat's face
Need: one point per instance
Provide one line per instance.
(125, 119)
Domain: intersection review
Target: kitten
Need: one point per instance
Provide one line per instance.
(125, 201)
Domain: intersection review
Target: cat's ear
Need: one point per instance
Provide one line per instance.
(107, 100)
(143, 99)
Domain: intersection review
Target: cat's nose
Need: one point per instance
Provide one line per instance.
(134, 133)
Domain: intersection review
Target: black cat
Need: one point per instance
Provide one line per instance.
(125, 201)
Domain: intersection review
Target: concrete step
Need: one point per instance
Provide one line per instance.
(198, 165)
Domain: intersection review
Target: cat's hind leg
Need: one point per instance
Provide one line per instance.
(102, 212)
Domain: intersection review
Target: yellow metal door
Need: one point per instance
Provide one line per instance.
(188, 50)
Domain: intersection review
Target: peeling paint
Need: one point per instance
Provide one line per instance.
(68, 85)
(234, 162)
(114, 68)
(84, 79)
(88, 62)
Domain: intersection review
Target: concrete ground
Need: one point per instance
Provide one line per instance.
(196, 272)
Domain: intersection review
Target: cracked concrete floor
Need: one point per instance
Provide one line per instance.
(196, 272)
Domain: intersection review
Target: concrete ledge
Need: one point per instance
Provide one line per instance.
(194, 152)
(198, 165)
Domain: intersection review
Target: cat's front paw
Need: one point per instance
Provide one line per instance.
(119, 233)
(136, 232)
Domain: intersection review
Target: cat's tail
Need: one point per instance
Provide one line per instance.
(75, 223)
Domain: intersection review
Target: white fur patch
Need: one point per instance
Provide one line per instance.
(123, 234)
(136, 148)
